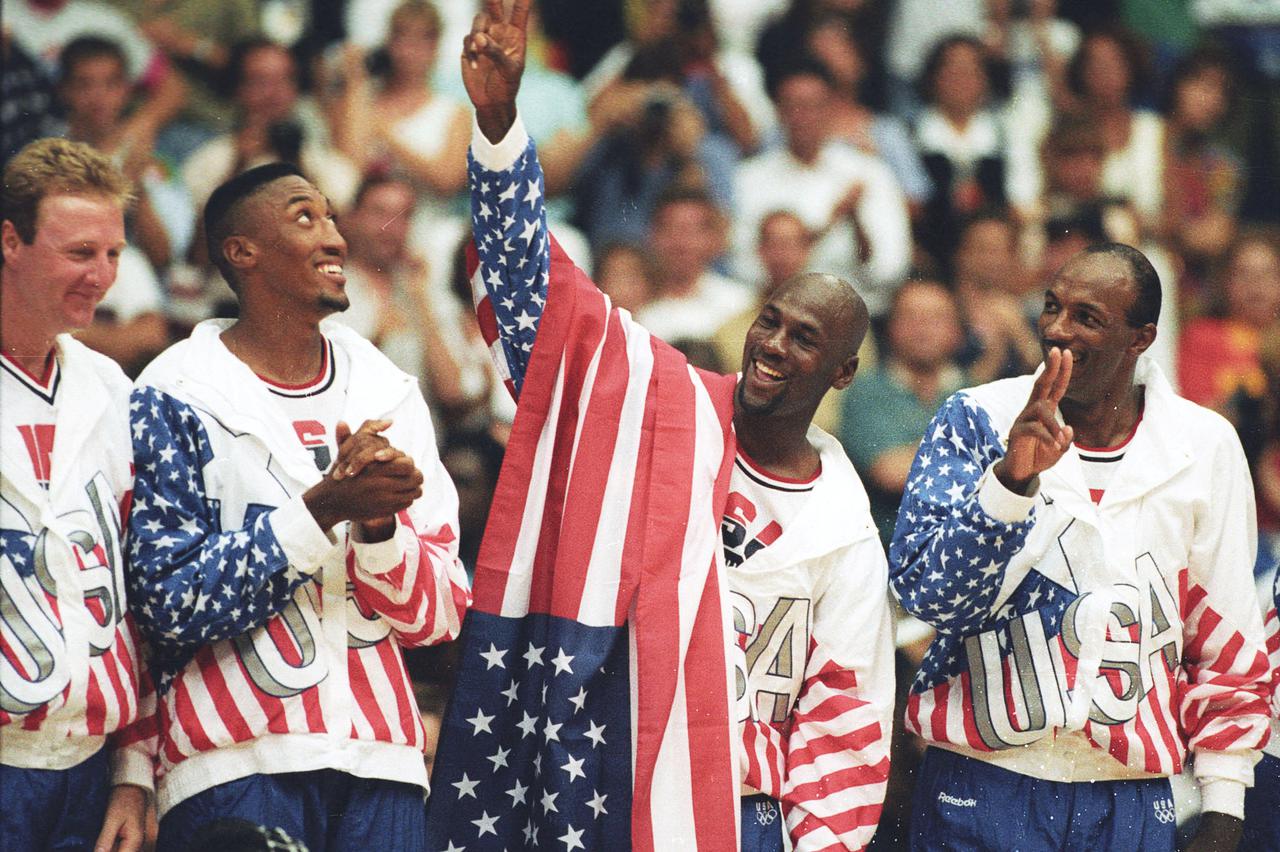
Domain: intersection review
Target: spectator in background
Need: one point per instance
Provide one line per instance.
(691, 300)
(1073, 154)
(651, 138)
(1104, 78)
(1219, 363)
(1204, 183)
(270, 126)
(889, 407)
(625, 273)
(27, 108)
(676, 41)
(961, 140)
(847, 198)
(129, 325)
(992, 289)
(391, 305)
(94, 90)
(915, 27)
(41, 28)
(196, 36)
(848, 58)
(1035, 47)
(402, 126)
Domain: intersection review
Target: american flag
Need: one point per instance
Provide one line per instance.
(597, 580)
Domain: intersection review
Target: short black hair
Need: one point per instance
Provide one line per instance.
(221, 211)
(804, 65)
(1146, 304)
(89, 47)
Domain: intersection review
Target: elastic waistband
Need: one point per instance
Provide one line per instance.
(45, 749)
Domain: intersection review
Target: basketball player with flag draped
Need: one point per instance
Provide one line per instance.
(76, 707)
(1083, 541)
(680, 615)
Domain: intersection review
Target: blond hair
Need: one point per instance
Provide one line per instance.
(56, 167)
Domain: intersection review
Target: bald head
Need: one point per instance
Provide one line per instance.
(838, 304)
(803, 343)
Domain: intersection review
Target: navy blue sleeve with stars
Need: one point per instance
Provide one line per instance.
(190, 582)
(948, 556)
(509, 224)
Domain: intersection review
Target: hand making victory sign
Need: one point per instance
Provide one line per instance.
(1036, 439)
(492, 63)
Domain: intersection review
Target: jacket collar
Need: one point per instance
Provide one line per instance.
(212, 377)
(85, 399)
(823, 527)
(1158, 451)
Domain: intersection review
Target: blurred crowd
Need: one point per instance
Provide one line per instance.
(946, 157)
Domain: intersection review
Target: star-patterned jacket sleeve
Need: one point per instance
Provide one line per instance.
(189, 581)
(414, 579)
(838, 747)
(509, 226)
(957, 525)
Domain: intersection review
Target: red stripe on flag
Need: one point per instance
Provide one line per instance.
(593, 460)
(502, 531)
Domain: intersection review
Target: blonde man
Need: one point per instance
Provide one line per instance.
(74, 763)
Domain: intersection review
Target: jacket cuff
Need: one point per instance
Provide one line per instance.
(1002, 504)
(502, 156)
(379, 557)
(1223, 777)
(130, 766)
(1222, 796)
(303, 542)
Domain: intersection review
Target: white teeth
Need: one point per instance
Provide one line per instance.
(773, 374)
(331, 268)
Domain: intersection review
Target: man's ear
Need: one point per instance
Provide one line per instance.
(240, 251)
(1143, 338)
(9, 238)
(844, 375)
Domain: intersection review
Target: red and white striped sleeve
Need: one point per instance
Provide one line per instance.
(838, 744)
(1224, 706)
(1272, 630)
(415, 580)
(134, 748)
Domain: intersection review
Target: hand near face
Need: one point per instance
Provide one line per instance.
(1036, 439)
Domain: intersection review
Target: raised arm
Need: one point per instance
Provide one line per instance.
(508, 216)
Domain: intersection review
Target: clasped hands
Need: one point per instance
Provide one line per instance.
(368, 484)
